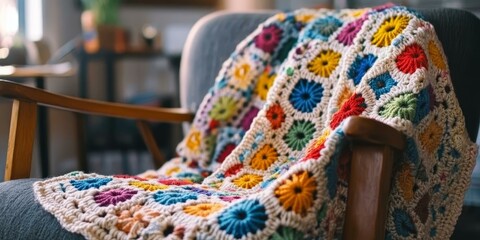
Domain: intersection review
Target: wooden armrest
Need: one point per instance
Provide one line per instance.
(375, 146)
(24, 112)
(372, 131)
(29, 94)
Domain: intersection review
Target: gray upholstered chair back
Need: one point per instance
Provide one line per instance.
(215, 36)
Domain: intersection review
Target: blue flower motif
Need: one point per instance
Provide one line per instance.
(382, 84)
(403, 223)
(322, 28)
(173, 197)
(196, 178)
(89, 183)
(360, 66)
(423, 105)
(306, 95)
(242, 218)
(198, 190)
(412, 151)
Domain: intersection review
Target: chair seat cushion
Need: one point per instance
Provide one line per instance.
(21, 217)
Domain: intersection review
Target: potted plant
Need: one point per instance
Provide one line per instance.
(100, 26)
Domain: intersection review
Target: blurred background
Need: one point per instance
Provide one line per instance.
(123, 51)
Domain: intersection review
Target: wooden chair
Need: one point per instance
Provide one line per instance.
(375, 145)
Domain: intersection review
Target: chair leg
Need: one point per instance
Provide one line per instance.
(20, 140)
(158, 157)
(368, 191)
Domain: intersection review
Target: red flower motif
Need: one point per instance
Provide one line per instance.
(275, 116)
(269, 38)
(412, 58)
(129, 176)
(173, 181)
(354, 106)
(225, 152)
(313, 153)
(213, 124)
(233, 170)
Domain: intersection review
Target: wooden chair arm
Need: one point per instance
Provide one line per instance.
(375, 146)
(24, 112)
(29, 94)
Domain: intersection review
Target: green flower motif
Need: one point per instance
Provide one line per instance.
(402, 106)
(299, 134)
(223, 109)
(286, 233)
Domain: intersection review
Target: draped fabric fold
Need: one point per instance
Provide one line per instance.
(266, 155)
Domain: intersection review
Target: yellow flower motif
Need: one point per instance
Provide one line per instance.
(264, 158)
(223, 109)
(304, 18)
(264, 83)
(322, 138)
(193, 140)
(148, 186)
(358, 12)
(297, 193)
(242, 74)
(430, 138)
(248, 181)
(280, 17)
(390, 29)
(436, 56)
(202, 209)
(324, 63)
(172, 171)
(132, 221)
(405, 182)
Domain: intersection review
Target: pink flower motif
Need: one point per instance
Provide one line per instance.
(229, 198)
(348, 33)
(269, 38)
(248, 118)
(113, 196)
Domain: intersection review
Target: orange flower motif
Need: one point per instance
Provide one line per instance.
(248, 181)
(406, 181)
(202, 209)
(436, 56)
(132, 221)
(431, 137)
(264, 158)
(297, 193)
(275, 116)
(343, 97)
(193, 140)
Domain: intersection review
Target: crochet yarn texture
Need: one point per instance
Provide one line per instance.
(266, 156)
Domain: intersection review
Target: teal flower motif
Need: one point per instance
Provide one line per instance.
(299, 134)
(403, 223)
(243, 218)
(89, 183)
(173, 197)
(286, 233)
(402, 106)
(322, 28)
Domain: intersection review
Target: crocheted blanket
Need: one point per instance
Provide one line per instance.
(268, 139)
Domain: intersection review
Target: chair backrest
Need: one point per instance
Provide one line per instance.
(215, 36)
